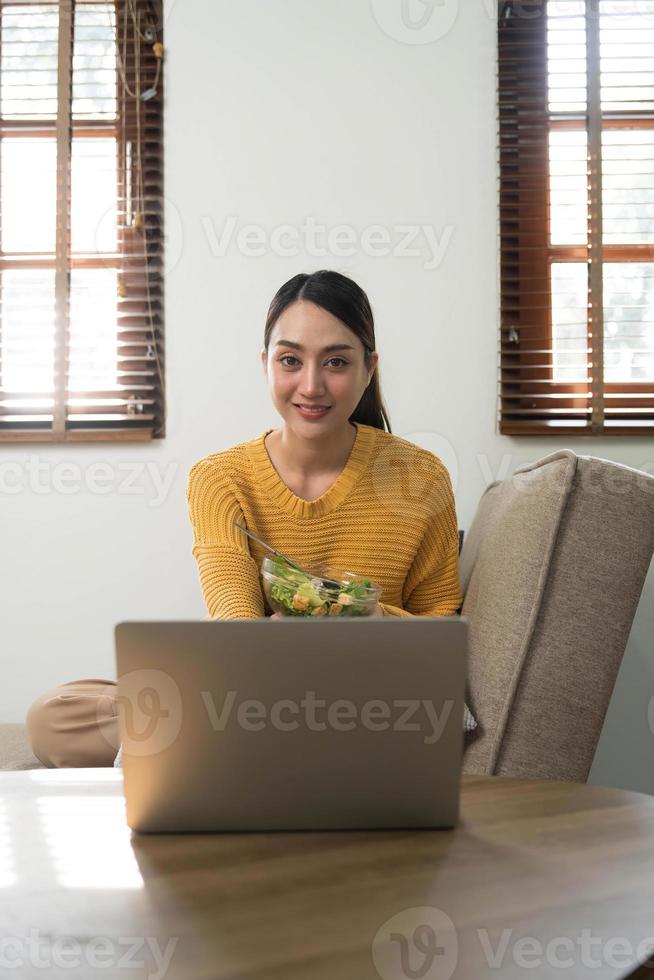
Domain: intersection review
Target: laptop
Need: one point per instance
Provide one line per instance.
(253, 725)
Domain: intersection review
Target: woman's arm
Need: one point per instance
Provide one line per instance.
(433, 586)
(229, 577)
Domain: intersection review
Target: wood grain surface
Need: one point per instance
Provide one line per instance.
(540, 879)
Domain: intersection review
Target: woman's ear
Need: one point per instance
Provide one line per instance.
(374, 358)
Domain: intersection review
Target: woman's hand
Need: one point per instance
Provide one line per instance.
(377, 613)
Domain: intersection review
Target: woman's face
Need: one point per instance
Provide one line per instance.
(310, 375)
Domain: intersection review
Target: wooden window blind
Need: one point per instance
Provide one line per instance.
(576, 158)
(81, 221)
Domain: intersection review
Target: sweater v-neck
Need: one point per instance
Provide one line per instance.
(274, 488)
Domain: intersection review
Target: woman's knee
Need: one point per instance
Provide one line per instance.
(75, 725)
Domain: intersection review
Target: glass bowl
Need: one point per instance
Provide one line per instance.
(292, 594)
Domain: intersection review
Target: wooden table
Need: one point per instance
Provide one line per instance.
(532, 862)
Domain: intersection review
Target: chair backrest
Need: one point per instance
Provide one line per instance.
(552, 569)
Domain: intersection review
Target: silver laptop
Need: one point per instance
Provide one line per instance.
(253, 725)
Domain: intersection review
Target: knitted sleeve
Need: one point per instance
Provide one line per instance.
(432, 586)
(229, 577)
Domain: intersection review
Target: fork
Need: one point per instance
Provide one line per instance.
(327, 582)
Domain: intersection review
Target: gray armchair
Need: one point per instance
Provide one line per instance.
(552, 569)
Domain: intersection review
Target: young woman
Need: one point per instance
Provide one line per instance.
(331, 485)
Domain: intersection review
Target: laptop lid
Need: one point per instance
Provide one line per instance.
(253, 725)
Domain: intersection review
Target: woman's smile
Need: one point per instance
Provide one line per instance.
(312, 413)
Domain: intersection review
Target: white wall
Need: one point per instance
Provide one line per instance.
(277, 113)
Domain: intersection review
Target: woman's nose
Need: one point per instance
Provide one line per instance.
(311, 381)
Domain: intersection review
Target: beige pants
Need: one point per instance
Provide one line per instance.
(76, 724)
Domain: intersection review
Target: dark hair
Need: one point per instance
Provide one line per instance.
(346, 301)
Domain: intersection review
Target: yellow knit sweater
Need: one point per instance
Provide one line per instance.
(390, 515)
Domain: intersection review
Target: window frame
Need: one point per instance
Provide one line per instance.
(138, 260)
(526, 255)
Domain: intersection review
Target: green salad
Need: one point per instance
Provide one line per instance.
(302, 595)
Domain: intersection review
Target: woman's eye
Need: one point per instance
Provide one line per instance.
(289, 357)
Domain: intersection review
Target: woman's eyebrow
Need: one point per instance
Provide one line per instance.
(292, 343)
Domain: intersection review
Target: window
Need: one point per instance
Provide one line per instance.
(81, 212)
(576, 153)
